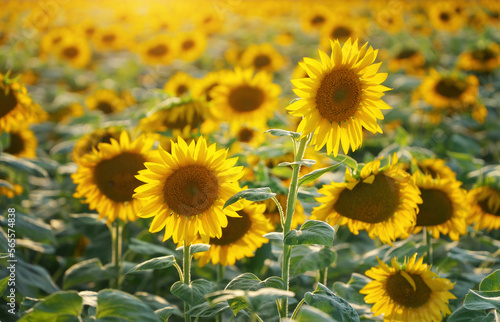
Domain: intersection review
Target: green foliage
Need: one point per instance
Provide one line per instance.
(335, 306)
(84, 272)
(311, 232)
(253, 194)
(278, 132)
(306, 258)
(60, 306)
(313, 175)
(153, 263)
(194, 293)
(114, 305)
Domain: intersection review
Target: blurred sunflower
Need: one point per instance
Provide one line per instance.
(52, 39)
(339, 30)
(444, 17)
(262, 57)
(444, 207)
(482, 60)
(23, 142)
(314, 17)
(207, 20)
(485, 202)
(159, 50)
(106, 177)
(90, 141)
(202, 88)
(245, 138)
(408, 59)
(390, 20)
(16, 107)
(180, 84)
(65, 113)
(244, 97)
(240, 238)
(75, 51)
(186, 191)
(180, 117)
(411, 292)
(191, 45)
(382, 201)
(8, 188)
(273, 214)
(110, 38)
(341, 96)
(436, 168)
(106, 101)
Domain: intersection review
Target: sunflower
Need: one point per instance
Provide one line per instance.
(110, 38)
(106, 101)
(159, 50)
(262, 57)
(315, 16)
(90, 141)
(191, 45)
(240, 238)
(411, 292)
(207, 20)
(444, 17)
(16, 107)
(382, 201)
(273, 214)
(52, 39)
(410, 60)
(485, 202)
(202, 88)
(179, 85)
(105, 177)
(180, 117)
(341, 96)
(338, 29)
(444, 207)
(482, 60)
(185, 192)
(244, 97)
(390, 20)
(23, 142)
(436, 168)
(75, 51)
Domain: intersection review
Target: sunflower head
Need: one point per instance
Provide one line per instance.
(179, 85)
(485, 206)
(22, 142)
(341, 96)
(185, 192)
(160, 50)
(105, 100)
(411, 292)
(382, 201)
(90, 141)
(16, 107)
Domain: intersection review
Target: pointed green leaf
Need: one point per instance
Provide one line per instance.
(482, 300)
(3, 284)
(350, 291)
(464, 315)
(250, 282)
(23, 165)
(311, 232)
(313, 175)
(59, 306)
(274, 236)
(205, 310)
(165, 313)
(306, 162)
(278, 132)
(141, 247)
(154, 263)
(87, 271)
(114, 305)
(254, 194)
(194, 293)
(335, 306)
(309, 313)
(347, 160)
(310, 258)
(195, 248)
(491, 282)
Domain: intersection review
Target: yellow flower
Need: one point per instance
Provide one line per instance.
(110, 38)
(408, 293)
(244, 98)
(240, 238)
(314, 16)
(262, 57)
(485, 202)
(202, 89)
(341, 96)
(338, 29)
(185, 192)
(191, 45)
(482, 60)
(159, 50)
(382, 201)
(106, 101)
(16, 107)
(90, 141)
(6, 190)
(180, 84)
(444, 207)
(444, 17)
(436, 168)
(23, 142)
(105, 177)
(74, 50)
(408, 59)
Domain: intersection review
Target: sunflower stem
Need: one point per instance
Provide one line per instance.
(294, 314)
(116, 252)
(428, 243)
(290, 209)
(187, 276)
(282, 214)
(221, 271)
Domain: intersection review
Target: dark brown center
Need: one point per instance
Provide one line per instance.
(407, 53)
(317, 20)
(8, 102)
(402, 292)
(115, 177)
(486, 208)
(191, 190)
(188, 44)
(341, 32)
(236, 228)
(483, 54)
(16, 145)
(158, 50)
(246, 98)
(70, 52)
(261, 61)
(181, 90)
(450, 88)
(435, 209)
(245, 135)
(109, 38)
(370, 203)
(444, 16)
(105, 107)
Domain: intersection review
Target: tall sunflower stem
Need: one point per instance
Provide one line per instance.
(116, 251)
(428, 243)
(290, 209)
(187, 276)
(221, 271)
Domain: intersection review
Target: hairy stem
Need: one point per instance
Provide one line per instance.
(187, 276)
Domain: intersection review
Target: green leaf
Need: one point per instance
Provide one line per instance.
(482, 300)
(34, 229)
(205, 310)
(491, 282)
(464, 315)
(335, 306)
(114, 305)
(193, 293)
(306, 162)
(165, 313)
(278, 132)
(310, 258)
(87, 271)
(347, 160)
(309, 313)
(141, 247)
(254, 194)
(350, 290)
(23, 165)
(253, 300)
(60, 306)
(311, 232)
(154, 263)
(313, 175)
(274, 236)
(195, 248)
(3, 284)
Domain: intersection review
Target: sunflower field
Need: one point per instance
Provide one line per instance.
(249, 160)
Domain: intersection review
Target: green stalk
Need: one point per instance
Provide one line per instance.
(187, 276)
(428, 243)
(116, 252)
(290, 209)
(221, 270)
